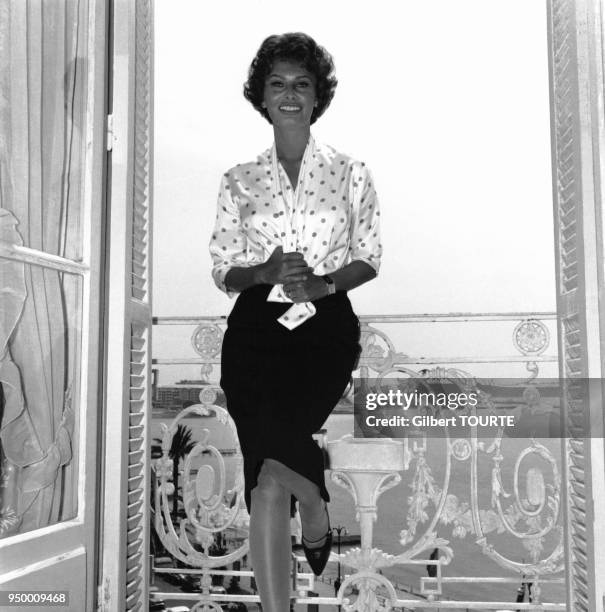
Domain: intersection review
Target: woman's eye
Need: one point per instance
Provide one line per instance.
(303, 85)
(276, 84)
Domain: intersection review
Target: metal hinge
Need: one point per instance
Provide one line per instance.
(109, 132)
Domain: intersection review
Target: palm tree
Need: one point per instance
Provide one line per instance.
(182, 444)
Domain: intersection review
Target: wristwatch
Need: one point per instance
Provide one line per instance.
(330, 282)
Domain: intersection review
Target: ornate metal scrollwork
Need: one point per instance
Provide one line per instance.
(515, 495)
(206, 605)
(210, 505)
(377, 350)
(367, 583)
(527, 509)
(207, 340)
(531, 337)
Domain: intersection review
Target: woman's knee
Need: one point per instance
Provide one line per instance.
(291, 480)
(268, 485)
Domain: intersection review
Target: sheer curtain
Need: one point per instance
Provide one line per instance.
(42, 108)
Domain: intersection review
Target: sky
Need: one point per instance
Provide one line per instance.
(446, 102)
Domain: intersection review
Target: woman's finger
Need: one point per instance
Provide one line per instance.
(292, 280)
(293, 255)
(298, 271)
(297, 264)
(299, 261)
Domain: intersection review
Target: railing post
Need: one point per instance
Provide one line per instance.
(366, 468)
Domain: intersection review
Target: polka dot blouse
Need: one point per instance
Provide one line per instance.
(331, 216)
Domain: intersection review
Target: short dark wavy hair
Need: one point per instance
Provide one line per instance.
(296, 47)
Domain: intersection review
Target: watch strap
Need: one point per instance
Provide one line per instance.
(330, 282)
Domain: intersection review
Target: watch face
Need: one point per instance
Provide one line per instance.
(330, 283)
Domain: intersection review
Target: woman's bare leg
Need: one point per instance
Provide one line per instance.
(270, 544)
(313, 516)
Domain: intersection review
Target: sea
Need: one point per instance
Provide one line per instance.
(469, 560)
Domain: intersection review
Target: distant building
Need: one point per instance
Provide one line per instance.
(180, 395)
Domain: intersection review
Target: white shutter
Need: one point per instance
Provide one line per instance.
(125, 577)
(576, 70)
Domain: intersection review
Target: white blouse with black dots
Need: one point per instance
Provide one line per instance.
(332, 216)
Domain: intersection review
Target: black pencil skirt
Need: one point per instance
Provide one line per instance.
(281, 385)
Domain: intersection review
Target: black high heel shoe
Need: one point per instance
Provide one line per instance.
(318, 557)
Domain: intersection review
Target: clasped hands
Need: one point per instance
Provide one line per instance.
(291, 271)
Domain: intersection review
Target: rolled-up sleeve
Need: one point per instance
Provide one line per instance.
(365, 243)
(228, 242)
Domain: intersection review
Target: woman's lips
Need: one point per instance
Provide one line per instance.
(289, 108)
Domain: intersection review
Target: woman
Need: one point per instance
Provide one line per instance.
(296, 229)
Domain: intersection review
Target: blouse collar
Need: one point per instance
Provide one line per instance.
(291, 198)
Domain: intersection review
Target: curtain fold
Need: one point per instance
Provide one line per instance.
(42, 105)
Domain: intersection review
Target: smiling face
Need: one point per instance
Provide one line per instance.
(289, 95)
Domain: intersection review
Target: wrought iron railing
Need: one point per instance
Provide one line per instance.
(207, 537)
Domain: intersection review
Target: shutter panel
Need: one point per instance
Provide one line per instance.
(567, 179)
(136, 515)
(142, 151)
(125, 576)
(574, 39)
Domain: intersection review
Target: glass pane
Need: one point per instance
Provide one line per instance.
(39, 396)
(43, 100)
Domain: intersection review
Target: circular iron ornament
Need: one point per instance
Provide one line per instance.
(461, 449)
(531, 337)
(207, 340)
(208, 396)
